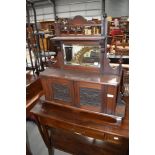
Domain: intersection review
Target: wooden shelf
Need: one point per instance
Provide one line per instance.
(79, 38)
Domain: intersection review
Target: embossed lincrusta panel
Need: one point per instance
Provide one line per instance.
(61, 92)
(90, 96)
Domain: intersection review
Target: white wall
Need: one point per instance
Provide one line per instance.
(86, 8)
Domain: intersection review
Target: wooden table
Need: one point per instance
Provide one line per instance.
(70, 130)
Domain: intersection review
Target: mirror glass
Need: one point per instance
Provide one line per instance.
(81, 54)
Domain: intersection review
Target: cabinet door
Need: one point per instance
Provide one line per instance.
(88, 96)
(94, 97)
(61, 91)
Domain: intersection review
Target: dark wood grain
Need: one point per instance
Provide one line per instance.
(76, 81)
(63, 34)
(81, 76)
(34, 91)
(77, 26)
(108, 136)
(88, 123)
(78, 144)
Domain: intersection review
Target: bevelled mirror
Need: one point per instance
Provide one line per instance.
(81, 54)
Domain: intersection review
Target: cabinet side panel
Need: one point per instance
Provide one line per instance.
(111, 99)
(44, 82)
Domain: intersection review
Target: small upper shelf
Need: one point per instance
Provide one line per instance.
(80, 38)
(77, 26)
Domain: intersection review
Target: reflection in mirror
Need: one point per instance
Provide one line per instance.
(83, 55)
(113, 60)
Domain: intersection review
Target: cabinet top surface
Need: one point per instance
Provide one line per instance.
(82, 76)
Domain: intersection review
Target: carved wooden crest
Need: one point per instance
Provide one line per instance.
(79, 20)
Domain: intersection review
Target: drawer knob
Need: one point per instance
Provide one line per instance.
(110, 95)
(116, 138)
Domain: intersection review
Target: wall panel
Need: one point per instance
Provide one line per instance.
(87, 8)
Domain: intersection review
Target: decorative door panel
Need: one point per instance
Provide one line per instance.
(88, 96)
(61, 91)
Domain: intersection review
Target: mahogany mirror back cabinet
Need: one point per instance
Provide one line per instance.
(81, 76)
